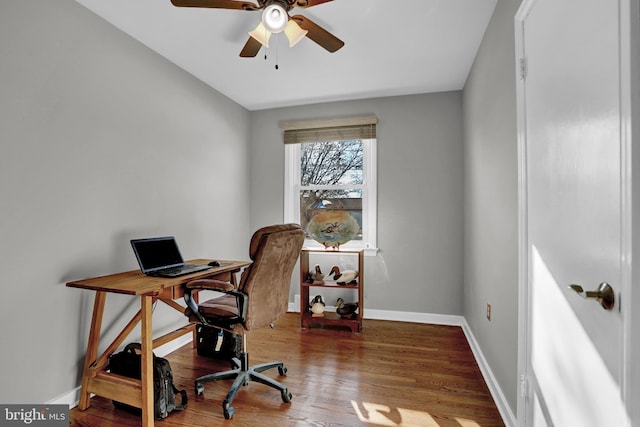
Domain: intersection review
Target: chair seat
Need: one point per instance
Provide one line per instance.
(222, 307)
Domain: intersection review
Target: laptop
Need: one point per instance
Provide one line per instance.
(160, 256)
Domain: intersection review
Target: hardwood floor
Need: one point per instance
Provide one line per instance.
(392, 374)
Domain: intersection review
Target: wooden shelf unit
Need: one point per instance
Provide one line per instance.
(330, 318)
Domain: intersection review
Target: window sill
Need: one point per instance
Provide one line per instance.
(368, 251)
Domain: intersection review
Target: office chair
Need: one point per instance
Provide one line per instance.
(262, 296)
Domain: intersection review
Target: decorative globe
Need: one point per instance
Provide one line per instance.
(333, 228)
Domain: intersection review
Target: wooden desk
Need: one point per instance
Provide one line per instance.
(139, 393)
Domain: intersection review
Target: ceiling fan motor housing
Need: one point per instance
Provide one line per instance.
(287, 5)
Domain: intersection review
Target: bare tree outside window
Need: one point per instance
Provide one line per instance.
(331, 176)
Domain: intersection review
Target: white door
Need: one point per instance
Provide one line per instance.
(572, 212)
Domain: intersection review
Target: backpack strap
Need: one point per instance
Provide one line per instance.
(132, 347)
(183, 398)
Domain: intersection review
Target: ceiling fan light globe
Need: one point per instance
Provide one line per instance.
(294, 32)
(275, 18)
(261, 34)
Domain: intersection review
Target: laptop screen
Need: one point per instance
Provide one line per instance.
(157, 253)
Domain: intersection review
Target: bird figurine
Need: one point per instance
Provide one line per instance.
(346, 310)
(317, 306)
(315, 277)
(347, 277)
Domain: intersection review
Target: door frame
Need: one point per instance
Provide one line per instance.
(629, 61)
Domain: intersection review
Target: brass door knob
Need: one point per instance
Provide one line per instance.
(604, 294)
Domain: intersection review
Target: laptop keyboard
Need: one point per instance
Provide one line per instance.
(185, 269)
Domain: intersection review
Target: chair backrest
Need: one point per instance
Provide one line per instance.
(274, 251)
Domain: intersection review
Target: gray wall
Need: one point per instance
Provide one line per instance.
(491, 199)
(94, 129)
(420, 195)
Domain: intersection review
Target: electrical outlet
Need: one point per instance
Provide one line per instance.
(489, 312)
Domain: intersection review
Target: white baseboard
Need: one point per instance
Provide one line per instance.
(72, 397)
(494, 388)
(406, 316)
(400, 316)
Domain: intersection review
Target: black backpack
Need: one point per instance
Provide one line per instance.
(218, 343)
(128, 363)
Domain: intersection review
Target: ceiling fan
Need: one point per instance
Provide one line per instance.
(275, 19)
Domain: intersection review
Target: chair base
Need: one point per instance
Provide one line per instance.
(242, 374)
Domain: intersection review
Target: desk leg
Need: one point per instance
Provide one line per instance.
(92, 348)
(147, 362)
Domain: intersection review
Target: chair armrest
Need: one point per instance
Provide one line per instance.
(210, 284)
(214, 285)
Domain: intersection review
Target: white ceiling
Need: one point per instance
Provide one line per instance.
(391, 48)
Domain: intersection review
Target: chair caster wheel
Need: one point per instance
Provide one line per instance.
(282, 370)
(228, 410)
(199, 388)
(286, 396)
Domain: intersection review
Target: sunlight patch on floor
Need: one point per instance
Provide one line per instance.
(382, 415)
(467, 423)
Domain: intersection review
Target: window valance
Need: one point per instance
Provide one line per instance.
(338, 129)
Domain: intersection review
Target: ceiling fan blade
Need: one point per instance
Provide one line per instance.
(251, 48)
(308, 3)
(217, 4)
(319, 34)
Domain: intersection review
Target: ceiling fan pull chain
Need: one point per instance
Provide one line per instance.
(266, 48)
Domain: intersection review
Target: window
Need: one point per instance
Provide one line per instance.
(331, 165)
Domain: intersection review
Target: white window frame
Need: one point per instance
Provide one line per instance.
(369, 186)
